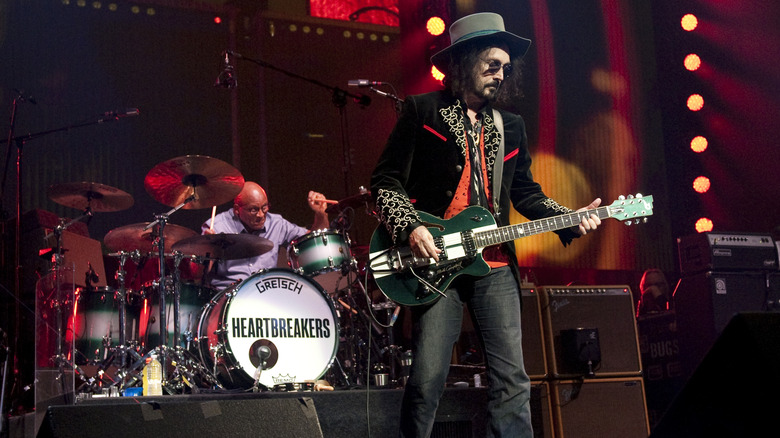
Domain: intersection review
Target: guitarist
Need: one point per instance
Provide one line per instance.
(442, 156)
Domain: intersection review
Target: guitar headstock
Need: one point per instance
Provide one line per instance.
(632, 208)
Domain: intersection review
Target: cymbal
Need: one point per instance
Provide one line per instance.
(225, 246)
(212, 181)
(98, 197)
(135, 237)
(350, 202)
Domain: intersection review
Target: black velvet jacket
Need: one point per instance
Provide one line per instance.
(423, 160)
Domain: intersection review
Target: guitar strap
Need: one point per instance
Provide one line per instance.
(498, 167)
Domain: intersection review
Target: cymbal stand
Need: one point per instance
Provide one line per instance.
(161, 220)
(121, 295)
(177, 258)
(57, 233)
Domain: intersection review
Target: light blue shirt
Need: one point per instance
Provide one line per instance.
(277, 229)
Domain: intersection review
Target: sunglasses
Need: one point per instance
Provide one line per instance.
(494, 66)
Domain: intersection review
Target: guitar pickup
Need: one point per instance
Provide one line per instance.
(467, 241)
(439, 243)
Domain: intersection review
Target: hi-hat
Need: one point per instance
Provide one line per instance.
(211, 181)
(136, 237)
(350, 202)
(224, 246)
(98, 197)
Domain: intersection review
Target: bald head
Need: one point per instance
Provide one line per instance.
(251, 205)
(251, 191)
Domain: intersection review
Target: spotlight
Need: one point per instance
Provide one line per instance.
(692, 62)
(701, 184)
(695, 102)
(436, 74)
(435, 26)
(699, 144)
(704, 225)
(689, 22)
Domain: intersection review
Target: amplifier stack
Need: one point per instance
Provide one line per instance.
(722, 274)
(594, 366)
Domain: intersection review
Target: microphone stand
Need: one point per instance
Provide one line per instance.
(338, 98)
(20, 141)
(398, 102)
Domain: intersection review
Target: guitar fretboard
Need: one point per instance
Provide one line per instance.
(513, 232)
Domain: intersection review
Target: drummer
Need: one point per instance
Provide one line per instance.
(250, 215)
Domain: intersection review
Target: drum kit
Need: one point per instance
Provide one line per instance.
(276, 330)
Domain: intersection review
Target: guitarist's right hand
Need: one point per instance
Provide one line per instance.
(421, 243)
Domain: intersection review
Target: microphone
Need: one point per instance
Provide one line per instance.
(24, 97)
(363, 83)
(110, 116)
(227, 79)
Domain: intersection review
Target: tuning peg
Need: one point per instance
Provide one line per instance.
(621, 198)
(630, 196)
(628, 222)
(639, 195)
(644, 220)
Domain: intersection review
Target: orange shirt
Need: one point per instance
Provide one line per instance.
(493, 255)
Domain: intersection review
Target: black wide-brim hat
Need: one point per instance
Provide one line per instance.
(475, 26)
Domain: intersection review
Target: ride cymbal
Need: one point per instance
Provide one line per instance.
(210, 180)
(95, 196)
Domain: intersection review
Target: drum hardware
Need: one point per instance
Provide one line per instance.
(363, 198)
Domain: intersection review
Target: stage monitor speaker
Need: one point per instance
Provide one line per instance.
(705, 302)
(733, 391)
(609, 310)
(277, 417)
(599, 408)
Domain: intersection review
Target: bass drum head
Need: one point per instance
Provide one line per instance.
(278, 309)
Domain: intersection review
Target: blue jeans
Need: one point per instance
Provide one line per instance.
(494, 303)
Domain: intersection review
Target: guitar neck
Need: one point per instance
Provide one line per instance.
(525, 229)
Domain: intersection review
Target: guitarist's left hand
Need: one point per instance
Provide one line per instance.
(592, 222)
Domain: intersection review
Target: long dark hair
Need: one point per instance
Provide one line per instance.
(462, 61)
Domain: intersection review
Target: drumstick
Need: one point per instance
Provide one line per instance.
(327, 201)
(213, 213)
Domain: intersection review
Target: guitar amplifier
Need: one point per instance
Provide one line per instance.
(601, 320)
(727, 251)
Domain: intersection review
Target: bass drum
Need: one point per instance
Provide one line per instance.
(278, 309)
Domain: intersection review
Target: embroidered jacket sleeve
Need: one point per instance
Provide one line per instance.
(391, 175)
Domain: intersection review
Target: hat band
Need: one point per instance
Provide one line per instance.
(476, 34)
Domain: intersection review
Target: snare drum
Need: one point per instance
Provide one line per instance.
(288, 313)
(321, 254)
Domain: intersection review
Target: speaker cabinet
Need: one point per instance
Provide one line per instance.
(609, 310)
(541, 410)
(599, 408)
(534, 352)
(278, 417)
(468, 350)
(733, 391)
(705, 303)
